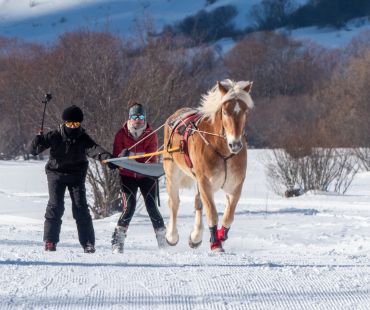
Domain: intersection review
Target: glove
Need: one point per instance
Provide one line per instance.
(112, 166)
(39, 139)
(124, 153)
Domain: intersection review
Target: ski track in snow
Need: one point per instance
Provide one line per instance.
(310, 252)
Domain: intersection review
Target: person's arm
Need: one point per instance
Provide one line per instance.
(151, 147)
(95, 151)
(118, 144)
(40, 143)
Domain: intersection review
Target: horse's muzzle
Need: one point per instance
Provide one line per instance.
(235, 146)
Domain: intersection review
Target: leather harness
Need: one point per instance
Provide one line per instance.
(185, 125)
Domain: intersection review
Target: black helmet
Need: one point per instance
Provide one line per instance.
(73, 114)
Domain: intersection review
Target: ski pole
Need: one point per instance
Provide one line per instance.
(47, 98)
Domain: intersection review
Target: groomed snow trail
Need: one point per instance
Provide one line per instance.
(310, 252)
(145, 278)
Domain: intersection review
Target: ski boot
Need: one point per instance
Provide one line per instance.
(118, 239)
(50, 246)
(160, 234)
(89, 248)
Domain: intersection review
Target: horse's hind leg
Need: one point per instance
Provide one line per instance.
(173, 184)
(195, 238)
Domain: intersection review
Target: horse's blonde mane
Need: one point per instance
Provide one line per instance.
(213, 100)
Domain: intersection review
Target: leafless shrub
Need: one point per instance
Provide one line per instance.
(104, 184)
(321, 170)
(363, 155)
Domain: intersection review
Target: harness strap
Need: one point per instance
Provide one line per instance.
(190, 128)
(225, 159)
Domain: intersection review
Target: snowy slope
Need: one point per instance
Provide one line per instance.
(47, 19)
(310, 252)
(44, 20)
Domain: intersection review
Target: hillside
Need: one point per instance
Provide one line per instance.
(45, 20)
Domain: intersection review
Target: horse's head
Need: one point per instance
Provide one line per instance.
(236, 104)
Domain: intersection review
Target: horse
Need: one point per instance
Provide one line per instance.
(213, 153)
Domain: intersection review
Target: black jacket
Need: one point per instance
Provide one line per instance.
(68, 154)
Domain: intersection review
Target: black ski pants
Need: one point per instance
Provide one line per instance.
(57, 184)
(148, 188)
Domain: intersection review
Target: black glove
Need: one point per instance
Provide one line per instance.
(124, 153)
(112, 166)
(39, 139)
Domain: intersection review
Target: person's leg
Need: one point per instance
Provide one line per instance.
(148, 188)
(81, 213)
(55, 208)
(129, 191)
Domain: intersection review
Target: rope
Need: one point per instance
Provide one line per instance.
(201, 131)
(153, 154)
(154, 131)
(150, 155)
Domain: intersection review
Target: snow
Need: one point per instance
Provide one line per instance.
(48, 19)
(330, 37)
(45, 20)
(308, 252)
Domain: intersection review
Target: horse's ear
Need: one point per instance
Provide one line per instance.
(248, 88)
(221, 88)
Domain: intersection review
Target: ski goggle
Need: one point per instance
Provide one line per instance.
(72, 124)
(135, 117)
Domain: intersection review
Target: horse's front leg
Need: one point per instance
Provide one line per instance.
(206, 195)
(196, 235)
(228, 217)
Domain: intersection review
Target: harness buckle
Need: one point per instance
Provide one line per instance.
(182, 144)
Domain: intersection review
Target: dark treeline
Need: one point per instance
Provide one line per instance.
(304, 95)
(273, 14)
(211, 25)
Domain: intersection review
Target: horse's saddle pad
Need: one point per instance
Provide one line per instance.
(186, 118)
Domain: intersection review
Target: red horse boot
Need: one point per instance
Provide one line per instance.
(222, 234)
(216, 244)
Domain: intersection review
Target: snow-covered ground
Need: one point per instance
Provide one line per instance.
(309, 252)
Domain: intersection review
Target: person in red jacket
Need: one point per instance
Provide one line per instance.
(137, 137)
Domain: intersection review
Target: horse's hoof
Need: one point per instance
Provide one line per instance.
(172, 243)
(218, 250)
(217, 247)
(194, 245)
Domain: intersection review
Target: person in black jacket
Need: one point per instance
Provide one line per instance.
(66, 168)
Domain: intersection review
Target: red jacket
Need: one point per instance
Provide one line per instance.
(124, 140)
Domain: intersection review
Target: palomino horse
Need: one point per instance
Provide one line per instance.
(213, 153)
